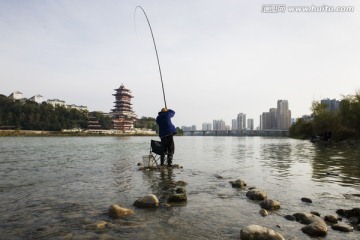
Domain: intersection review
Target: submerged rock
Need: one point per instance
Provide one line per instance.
(316, 229)
(257, 232)
(238, 183)
(256, 194)
(180, 190)
(218, 176)
(96, 226)
(342, 227)
(178, 197)
(116, 211)
(181, 183)
(148, 201)
(270, 204)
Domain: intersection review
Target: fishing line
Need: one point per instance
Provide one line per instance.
(157, 56)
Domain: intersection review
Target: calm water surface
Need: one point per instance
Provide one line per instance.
(56, 187)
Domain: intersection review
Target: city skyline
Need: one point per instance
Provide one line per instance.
(276, 118)
(213, 67)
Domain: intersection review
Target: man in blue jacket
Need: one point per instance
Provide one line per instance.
(166, 132)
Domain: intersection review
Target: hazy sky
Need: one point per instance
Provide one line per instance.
(218, 58)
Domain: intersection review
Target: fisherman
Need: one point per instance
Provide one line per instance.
(166, 132)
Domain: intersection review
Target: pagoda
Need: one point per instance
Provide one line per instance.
(123, 117)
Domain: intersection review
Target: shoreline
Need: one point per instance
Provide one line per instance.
(34, 133)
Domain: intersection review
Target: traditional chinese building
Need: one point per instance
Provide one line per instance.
(123, 117)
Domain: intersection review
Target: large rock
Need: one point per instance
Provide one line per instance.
(316, 225)
(316, 229)
(148, 201)
(270, 204)
(257, 232)
(116, 211)
(238, 183)
(256, 194)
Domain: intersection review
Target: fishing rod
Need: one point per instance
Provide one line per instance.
(157, 56)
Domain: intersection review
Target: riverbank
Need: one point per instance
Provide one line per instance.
(31, 133)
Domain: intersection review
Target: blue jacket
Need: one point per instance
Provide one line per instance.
(165, 125)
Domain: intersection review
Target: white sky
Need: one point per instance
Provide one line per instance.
(218, 58)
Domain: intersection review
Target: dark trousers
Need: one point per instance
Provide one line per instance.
(169, 149)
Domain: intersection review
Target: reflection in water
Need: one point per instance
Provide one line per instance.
(277, 157)
(336, 163)
(161, 183)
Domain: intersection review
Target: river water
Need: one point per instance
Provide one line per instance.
(58, 187)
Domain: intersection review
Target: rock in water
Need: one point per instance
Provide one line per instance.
(263, 212)
(290, 218)
(116, 211)
(342, 227)
(355, 212)
(256, 194)
(257, 232)
(316, 229)
(238, 183)
(331, 218)
(148, 201)
(307, 218)
(270, 204)
(307, 200)
(180, 190)
(178, 197)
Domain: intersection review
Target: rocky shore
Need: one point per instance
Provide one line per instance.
(311, 223)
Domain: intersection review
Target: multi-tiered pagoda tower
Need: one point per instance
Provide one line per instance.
(123, 117)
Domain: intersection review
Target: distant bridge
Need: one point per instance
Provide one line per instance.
(270, 132)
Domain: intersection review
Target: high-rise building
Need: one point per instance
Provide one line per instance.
(234, 124)
(241, 121)
(331, 105)
(123, 117)
(265, 120)
(250, 124)
(219, 125)
(273, 121)
(283, 115)
(206, 126)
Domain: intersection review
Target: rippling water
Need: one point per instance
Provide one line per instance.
(55, 187)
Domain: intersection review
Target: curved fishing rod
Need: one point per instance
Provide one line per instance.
(157, 56)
